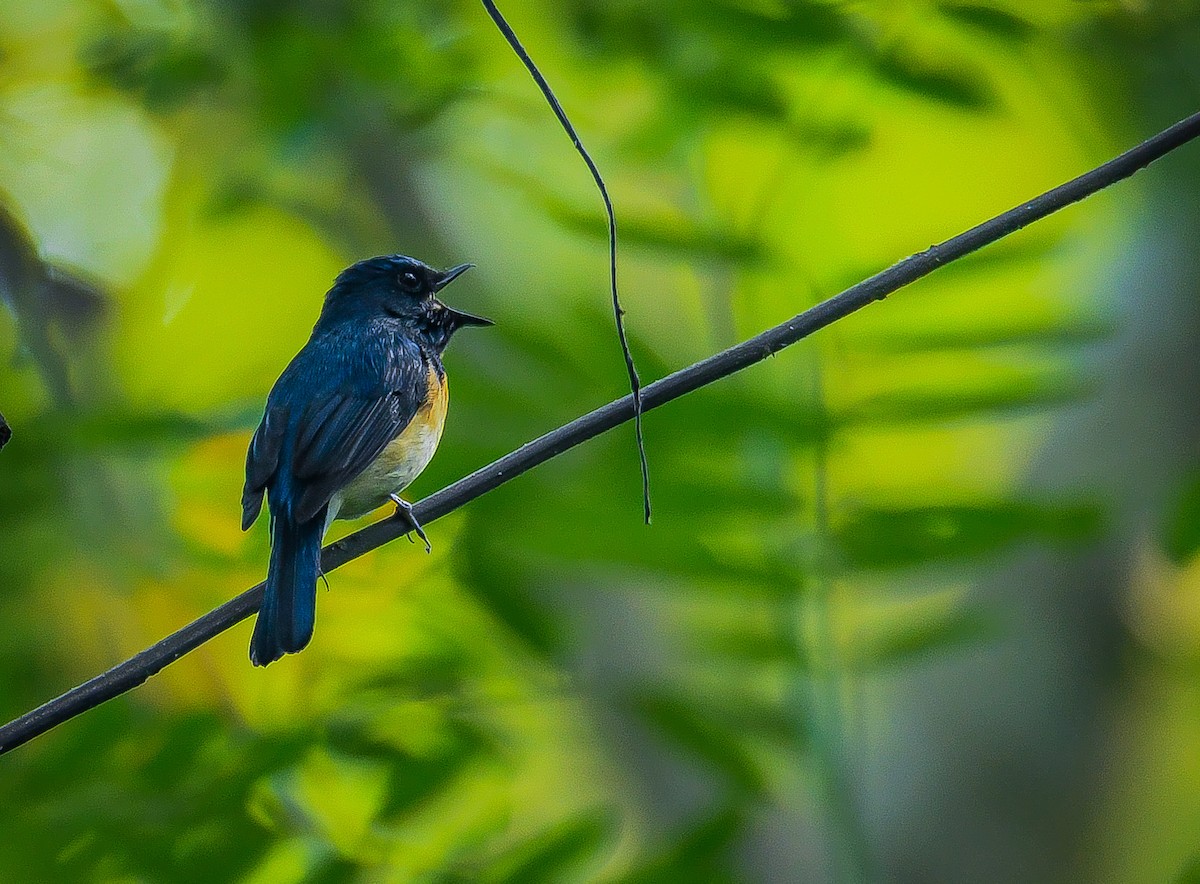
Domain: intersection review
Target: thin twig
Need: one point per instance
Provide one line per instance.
(133, 672)
(635, 382)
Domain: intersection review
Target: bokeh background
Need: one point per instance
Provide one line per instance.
(921, 601)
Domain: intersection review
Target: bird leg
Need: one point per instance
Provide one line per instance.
(404, 512)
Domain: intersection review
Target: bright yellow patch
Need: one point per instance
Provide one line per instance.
(401, 461)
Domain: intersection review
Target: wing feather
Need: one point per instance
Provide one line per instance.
(343, 432)
(340, 402)
(262, 460)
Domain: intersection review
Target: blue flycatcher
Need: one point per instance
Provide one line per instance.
(353, 419)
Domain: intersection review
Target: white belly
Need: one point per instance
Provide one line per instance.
(399, 463)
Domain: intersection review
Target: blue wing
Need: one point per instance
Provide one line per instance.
(329, 416)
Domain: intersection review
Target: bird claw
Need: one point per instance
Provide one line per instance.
(404, 512)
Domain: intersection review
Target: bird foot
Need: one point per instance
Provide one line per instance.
(404, 512)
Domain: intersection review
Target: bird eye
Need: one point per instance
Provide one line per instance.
(409, 281)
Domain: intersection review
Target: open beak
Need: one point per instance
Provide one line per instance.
(459, 318)
(448, 276)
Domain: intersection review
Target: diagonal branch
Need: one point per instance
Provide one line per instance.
(136, 670)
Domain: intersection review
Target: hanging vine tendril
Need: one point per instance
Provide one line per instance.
(635, 382)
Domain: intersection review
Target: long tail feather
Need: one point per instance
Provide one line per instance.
(289, 608)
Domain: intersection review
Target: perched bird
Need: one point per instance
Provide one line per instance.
(352, 420)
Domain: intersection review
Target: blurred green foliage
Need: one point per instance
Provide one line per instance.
(559, 693)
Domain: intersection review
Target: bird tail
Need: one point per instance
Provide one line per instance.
(289, 608)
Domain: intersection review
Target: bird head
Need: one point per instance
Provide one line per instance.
(401, 288)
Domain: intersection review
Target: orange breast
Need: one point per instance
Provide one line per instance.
(438, 401)
(411, 451)
(404, 457)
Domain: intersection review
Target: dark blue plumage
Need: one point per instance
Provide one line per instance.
(350, 422)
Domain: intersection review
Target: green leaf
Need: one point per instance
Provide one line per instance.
(700, 854)
(333, 869)
(668, 235)
(413, 780)
(556, 852)
(830, 140)
(125, 432)
(714, 729)
(165, 70)
(791, 26)
(1009, 330)
(990, 20)
(733, 90)
(498, 583)
(1181, 534)
(903, 537)
(951, 84)
(751, 644)
(1190, 871)
(1028, 389)
(906, 643)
